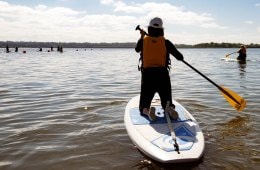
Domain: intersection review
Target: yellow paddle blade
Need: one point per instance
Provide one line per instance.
(234, 99)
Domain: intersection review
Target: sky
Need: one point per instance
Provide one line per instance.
(184, 21)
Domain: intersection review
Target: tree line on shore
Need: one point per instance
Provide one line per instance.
(23, 44)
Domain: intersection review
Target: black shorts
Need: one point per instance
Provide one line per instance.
(154, 80)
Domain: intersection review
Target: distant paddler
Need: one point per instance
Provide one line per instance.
(60, 49)
(7, 49)
(242, 53)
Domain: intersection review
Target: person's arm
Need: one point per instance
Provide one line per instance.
(173, 50)
(139, 45)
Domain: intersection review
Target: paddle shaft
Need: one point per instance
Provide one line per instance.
(173, 135)
(220, 88)
(231, 53)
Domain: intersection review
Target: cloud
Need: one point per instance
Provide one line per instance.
(119, 6)
(171, 14)
(44, 23)
(106, 2)
(257, 5)
(249, 22)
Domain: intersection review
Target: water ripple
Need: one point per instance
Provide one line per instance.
(65, 111)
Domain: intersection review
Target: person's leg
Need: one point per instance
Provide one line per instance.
(165, 92)
(147, 91)
(164, 88)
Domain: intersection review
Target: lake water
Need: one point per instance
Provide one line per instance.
(65, 110)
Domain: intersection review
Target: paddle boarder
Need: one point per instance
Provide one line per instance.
(242, 53)
(7, 49)
(154, 50)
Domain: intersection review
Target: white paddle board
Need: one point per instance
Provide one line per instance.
(234, 60)
(229, 59)
(154, 138)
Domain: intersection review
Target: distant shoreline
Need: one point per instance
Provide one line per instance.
(24, 44)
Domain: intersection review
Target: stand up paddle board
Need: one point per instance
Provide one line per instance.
(229, 59)
(233, 60)
(154, 138)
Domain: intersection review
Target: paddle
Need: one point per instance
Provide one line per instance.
(176, 146)
(234, 99)
(138, 28)
(230, 54)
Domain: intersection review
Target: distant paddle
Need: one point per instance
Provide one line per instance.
(234, 99)
(230, 54)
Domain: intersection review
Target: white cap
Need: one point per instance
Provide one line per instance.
(156, 23)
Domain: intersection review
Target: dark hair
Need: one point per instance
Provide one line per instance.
(155, 32)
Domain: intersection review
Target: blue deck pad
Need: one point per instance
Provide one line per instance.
(185, 139)
(138, 119)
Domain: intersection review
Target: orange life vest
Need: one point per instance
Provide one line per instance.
(154, 52)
